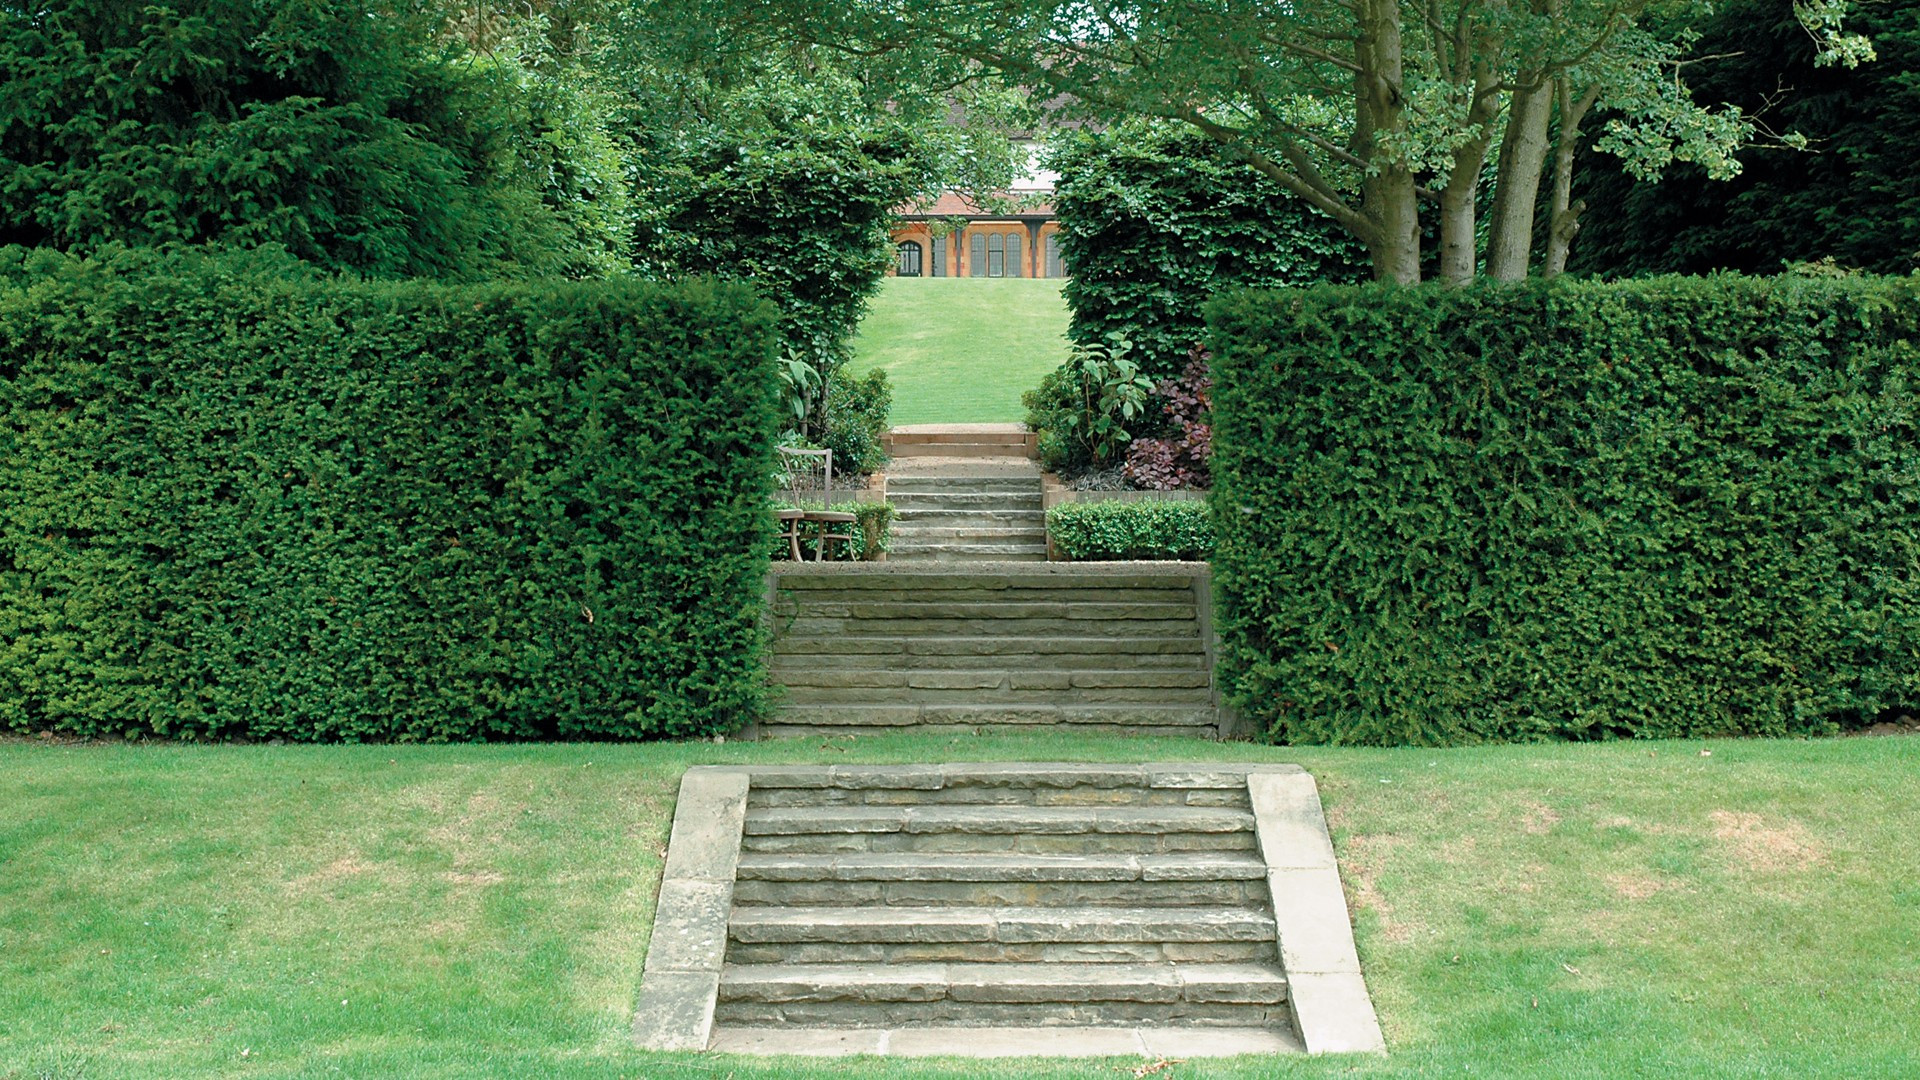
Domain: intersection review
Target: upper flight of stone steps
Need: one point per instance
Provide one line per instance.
(968, 515)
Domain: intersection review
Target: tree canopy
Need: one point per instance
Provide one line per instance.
(1365, 109)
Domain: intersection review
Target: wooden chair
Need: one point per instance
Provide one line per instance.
(809, 492)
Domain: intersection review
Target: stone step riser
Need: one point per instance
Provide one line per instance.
(1015, 534)
(1014, 518)
(798, 659)
(907, 502)
(983, 795)
(933, 555)
(1104, 678)
(1112, 731)
(985, 1014)
(921, 582)
(1017, 716)
(988, 627)
(827, 695)
(1131, 894)
(989, 644)
(965, 843)
(1069, 952)
(961, 450)
(1008, 614)
(963, 485)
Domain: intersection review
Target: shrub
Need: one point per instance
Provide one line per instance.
(1080, 411)
(1155, 219)
(1180, 459)
(1133, 529)
(244, 501)
(856, 420)
(1666, 507)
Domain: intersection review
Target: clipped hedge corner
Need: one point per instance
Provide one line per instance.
(1667, 507)
(246, 502)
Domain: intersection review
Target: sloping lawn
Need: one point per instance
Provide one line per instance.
(963, 350)
(1636, 909)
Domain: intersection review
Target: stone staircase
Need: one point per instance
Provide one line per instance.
(995, 647)
(968, 514)
(1005, 896)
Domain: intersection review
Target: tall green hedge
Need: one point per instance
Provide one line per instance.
(1669, 507)
(246, 502)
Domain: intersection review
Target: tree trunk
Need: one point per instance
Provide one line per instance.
(1564, 220)
(1388, 195)
(1459, 242)
(1516, 194)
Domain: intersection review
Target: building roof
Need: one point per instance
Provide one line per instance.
(954, 204)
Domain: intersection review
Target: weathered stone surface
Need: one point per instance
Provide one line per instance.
(802, 1042)
(1334, 1014)
(1310, 912)
(1015, 1042)
(834, 982)
(689, 926)
(705, 840)
(1062, 982)
(1260, 984)
(826, 820)
(1291, 823)
(862, 924)
(1183, 1043)
(1201, 867)
(675, 1010)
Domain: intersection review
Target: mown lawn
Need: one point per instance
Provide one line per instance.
(963, 350)
(1635, 909)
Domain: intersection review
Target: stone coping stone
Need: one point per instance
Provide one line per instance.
(1150, 1043)
(680, 984)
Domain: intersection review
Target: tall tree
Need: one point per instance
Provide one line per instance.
(1363, 108)
(1848, 195)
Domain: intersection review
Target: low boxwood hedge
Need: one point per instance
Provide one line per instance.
(1665, 507)
(245, 501)
(1136, 529)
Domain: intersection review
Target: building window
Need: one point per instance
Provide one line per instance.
(996, 255)
(977, 255)
(939, 258)
(1016, 267)
(1055, 268)
(910, 258)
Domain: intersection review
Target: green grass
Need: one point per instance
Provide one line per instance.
(1634, 909)
(963, 350)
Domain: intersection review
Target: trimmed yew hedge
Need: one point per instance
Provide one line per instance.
(1667, 507)
(246, 502)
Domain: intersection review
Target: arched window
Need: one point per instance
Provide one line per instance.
(996, 255)
(1016, 266)
(938, 256)
(910, 258)
(977, 255)
(1055, 268)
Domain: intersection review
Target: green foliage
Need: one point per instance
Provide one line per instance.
(874, 526)
(1081, 409)
(1568, 510)
(1154, 220)
(1133, 529)
(355, 141)
(856, 420)
(248, 501)
(1851, 198)
(794, 192)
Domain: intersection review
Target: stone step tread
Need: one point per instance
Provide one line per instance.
(794, 659)
(997, 820)
(753, 924)
(984, 626)
(988, 644)
(1005, 982)
(898, 715)
(995, 867)
(1065, 608)
(882, 577)
(993, 679)
(1117, 731)
(1152, 1041)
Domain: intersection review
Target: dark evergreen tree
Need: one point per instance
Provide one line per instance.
(1853, 196)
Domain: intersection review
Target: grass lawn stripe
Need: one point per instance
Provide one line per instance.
(962, 350)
